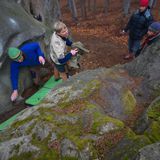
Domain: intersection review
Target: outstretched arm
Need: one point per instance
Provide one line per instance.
(14, 74)
(14, 80)
(40, 53)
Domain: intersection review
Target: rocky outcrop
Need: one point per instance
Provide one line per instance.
(46, 11)
(96, 114)
(147, 66)
(150, 152)
(90, 116)
(17, 27)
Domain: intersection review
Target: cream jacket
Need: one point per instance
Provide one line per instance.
(58, 48)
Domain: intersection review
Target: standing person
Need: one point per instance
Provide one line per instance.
(58, 47)
(29, 54)
(138, 26)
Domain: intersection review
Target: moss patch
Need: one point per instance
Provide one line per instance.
(24, 156)
(20, 123)
(154, 111)
(101, 119)
(153, 132)
(46, 152)
(128, 146)
(90, 87)
(129, 101)
(69, 158)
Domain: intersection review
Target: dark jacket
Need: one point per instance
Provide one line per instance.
(138, 24)
(147, 42)
(31, 52)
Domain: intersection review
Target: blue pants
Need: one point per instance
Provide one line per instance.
(133, 45)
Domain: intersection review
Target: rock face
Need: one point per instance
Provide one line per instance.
(83, 118)
(147, 66)
(94, 115)
(17, 27)
(46, 11)
(150, 152)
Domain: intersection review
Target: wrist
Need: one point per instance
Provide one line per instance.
(15, 91)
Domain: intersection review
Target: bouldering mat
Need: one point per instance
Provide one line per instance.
(36, 98)
(8, 122)
(51, 83)
(33, 100)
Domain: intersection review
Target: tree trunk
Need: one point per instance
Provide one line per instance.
(73, 9)
(89, 5)
(152, 3)
(83, 8)
(106, 6)
(126, 6)
(94, 6)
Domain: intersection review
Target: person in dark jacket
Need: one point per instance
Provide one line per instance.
(29, 54)
(138, 27)
(153, 35)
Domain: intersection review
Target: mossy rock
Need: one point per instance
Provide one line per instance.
(128, 147)
(129, 101)
(154, 109)
(153, 132)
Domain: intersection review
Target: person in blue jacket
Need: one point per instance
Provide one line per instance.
(29, 54)
(138, 26)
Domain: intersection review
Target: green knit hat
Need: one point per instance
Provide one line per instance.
(14, 53)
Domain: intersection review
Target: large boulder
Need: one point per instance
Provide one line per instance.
(96, 114)
(90, 116)
(17, 27)
(150, 152)
(147, 67)
(46, 11)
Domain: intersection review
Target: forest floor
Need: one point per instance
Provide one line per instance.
(100, 34)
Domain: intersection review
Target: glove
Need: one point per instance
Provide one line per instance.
(14, 95)
(41, 60)
(74, 51)
(123, 32)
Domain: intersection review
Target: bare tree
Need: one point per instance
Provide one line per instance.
(73, 9)
(152, 3)
(94, 6)
(106, 6)
(89, 5)
(83, 8)
(126, 6)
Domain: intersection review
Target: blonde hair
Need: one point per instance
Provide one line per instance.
(58, 26)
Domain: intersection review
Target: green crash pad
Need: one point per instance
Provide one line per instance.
(33, 100)
(36, 98)
(8, 122)
(51, 83)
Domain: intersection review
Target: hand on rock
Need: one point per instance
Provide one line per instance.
(14, 95)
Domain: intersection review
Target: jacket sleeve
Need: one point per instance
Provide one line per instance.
(65, 59)
(60, 52)
(14, 74)
(128, 24)
(149, 21)
(38, 50)
(68, 42)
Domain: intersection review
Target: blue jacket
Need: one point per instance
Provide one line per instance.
(68, 55)
(138, 24)
(31, 52)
